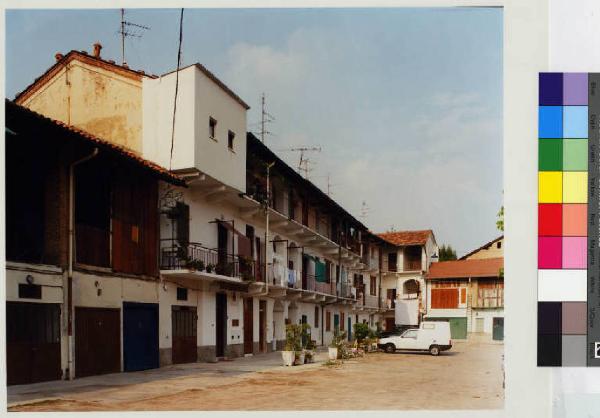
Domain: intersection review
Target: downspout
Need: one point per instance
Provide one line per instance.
(70, 261)
(266, 292)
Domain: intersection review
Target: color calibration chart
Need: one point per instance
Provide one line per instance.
(568, 209)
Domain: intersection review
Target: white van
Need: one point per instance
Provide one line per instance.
(430, 336)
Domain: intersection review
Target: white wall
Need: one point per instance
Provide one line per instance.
(198, 99)
(488, 316)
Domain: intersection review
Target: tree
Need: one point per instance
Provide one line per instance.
(500, 221)
(447, 253)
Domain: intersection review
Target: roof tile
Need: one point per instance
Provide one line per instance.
(457, 269)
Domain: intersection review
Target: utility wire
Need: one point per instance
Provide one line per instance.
(176, 86)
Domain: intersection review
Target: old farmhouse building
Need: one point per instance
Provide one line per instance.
(124, 255)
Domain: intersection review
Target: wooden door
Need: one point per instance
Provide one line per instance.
(248, 325)
(222, 245)
(184, 323)
(97, 341)
(221, 324)
(262, 326)
(390, 324)
(32, 342)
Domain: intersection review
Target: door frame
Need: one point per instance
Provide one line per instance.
(262, 326)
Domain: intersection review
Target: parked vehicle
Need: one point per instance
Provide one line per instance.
(430, 336)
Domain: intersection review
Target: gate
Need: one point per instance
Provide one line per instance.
(97, 341)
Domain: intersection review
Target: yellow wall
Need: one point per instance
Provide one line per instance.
(492, 252)
(94, 99)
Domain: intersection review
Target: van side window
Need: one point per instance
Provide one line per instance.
(410, 334)
(428, 326)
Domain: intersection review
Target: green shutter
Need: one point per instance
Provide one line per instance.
(319, 271)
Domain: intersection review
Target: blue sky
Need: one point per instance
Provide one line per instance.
(405, 103)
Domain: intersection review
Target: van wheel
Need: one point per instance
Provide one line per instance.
(390, 348)
(434, 350)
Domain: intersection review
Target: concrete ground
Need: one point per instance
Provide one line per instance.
(467, 377)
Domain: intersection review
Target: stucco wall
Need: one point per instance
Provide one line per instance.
(94, 99)
(198, 99)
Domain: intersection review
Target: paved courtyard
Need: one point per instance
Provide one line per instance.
(467, 377)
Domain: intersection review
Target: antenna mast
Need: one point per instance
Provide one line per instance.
(265, 118)
(304, 161)
(131, 30)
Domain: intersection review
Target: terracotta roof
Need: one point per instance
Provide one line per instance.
(19, 118)
(84, 57)
(486, 267)
(218, 82)
(483, 247)
(402, 238)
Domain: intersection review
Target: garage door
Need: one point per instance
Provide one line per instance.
(140, 336)
(458, 328)
(184, 324)
(97, 341)
(32, 342)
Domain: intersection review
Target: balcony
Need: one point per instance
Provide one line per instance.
(282, 224)
(211, 262)
(412, 264)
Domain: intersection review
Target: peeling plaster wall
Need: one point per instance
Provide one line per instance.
(94, 99)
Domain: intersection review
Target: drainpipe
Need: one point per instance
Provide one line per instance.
(70, 261)
(266, 292)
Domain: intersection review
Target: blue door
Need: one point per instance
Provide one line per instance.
(140, 336)
(349, 329)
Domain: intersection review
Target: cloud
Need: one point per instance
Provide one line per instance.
(428, 161)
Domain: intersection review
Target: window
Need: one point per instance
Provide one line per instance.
(316, 317)
(392, 261)
(230, 139)
(327, 321)
(499, 244)
(212, 128)
(411, 333)
(30, 291)
(463, 295)
(341, 321)
(182, 293)
(373, 286)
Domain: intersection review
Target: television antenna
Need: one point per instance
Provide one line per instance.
(129, 30)
(265, 118)
(364, 210)
(303, 164)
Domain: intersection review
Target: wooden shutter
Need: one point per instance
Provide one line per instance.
(327, 321)
(463, 295)
(444, 298)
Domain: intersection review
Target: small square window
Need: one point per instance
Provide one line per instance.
(212, 127)
(30, 291)
(230, 139)
(499, 244)
(182, 293)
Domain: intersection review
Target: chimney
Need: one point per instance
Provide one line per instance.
(97, 48)
(58, 56)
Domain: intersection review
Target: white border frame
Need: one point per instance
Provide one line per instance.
(525, 48)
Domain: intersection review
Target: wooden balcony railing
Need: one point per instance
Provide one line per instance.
(412, 264)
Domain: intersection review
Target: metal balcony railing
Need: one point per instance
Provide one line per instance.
(194, 256)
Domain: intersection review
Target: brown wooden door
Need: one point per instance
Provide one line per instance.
(262, 326)
(390, 324)
(221, 324)
(248, 325)
(97, 341)
(184, 322)
(32, 342)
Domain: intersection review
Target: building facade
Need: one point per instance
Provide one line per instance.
(207, 258)
(407, 257)
(469, 293)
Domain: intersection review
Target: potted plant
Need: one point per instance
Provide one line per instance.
(287, 354)
(309, 352)
(210, 268)
(336, 346)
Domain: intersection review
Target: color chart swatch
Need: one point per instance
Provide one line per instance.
(568, 206)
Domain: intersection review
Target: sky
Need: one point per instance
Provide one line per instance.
(405, 104)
